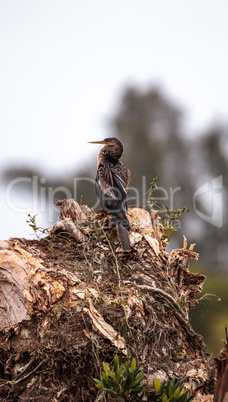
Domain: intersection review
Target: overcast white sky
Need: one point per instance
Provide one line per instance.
(64, 63)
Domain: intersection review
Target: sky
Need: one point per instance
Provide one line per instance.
(64, 65)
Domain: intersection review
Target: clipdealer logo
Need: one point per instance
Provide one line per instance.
(43, 196)
(212, 189)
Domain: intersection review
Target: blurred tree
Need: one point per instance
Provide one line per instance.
(78, 185)
(151, 129)
(210, 315)
(212, 152)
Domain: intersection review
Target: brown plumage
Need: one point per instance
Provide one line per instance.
(111, 184)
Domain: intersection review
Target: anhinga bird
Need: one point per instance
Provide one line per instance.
(111, 185)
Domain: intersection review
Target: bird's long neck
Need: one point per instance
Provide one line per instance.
(106, 155)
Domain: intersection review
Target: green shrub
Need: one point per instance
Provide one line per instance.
(170, 391)
(122, 380)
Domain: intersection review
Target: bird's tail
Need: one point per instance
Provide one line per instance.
(124, 237)
(123, 226)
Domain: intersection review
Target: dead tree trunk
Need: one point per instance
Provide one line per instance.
(73, 299)
(221, 389)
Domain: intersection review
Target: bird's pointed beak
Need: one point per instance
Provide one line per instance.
(97, 142)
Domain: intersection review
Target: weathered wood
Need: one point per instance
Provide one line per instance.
(221, 388)
(71, 300)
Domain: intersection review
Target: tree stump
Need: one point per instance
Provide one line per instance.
(221, 389)
(73, 299)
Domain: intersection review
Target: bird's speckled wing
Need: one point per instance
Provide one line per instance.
(111, 186)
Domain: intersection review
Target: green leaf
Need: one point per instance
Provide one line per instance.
(177, 392)
(165, 398)
(107, 369)
(137, 370)
(137, 381)
(116, 362)
(172, 382)
(138, 389)
(156, 384)
(99, 383)
(105, 380)
(118, 375)
(133, 364)
(183, 396)
(162, 387)
(129, 380)
(170, 387)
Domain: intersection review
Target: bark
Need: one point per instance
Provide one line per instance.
(221, 389)
(73, 299)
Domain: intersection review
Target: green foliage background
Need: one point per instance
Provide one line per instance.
(210, 315)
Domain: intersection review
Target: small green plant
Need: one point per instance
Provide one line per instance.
(170, 391)
(124, 381)
(37, 229)
(170, 217)
(181, 302)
